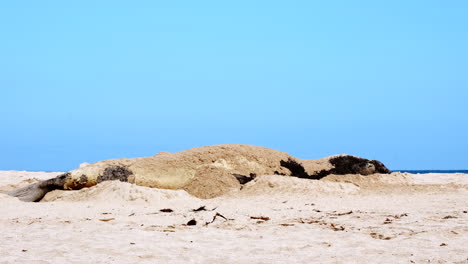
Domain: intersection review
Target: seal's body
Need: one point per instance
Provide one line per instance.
(224, 166)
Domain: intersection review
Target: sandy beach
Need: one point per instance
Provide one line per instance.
(396, 218)
(233, 132)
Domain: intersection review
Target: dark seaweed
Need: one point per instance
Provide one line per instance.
(244, 179)
(341, 165)
(115, 173)
(297, 170)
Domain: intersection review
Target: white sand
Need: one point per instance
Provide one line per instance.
(396, 218)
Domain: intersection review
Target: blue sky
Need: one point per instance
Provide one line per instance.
(82, 81)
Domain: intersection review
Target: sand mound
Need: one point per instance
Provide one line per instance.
(210, 182)
(120, 192)
(372, 180)
(276, 184)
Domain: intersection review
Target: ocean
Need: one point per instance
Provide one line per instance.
(432, 171)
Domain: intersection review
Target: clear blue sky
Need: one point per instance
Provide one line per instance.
(83, 81)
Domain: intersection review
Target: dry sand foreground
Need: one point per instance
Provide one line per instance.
(397, 218)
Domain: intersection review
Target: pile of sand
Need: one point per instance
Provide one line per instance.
(373, 180)
(120, 192)
(276, 184)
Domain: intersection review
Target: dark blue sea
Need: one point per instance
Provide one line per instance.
(432, 171)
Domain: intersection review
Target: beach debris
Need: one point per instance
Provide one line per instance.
(340, 214)
(336, 227)
(443, 245)
(333, 226)
(286, 224)
(326, 244)
(192, 222)
(168, 230)
(24, 250)
(449, 217)
(132, 214)
(37, 220)
(387, 221)
(244, 179)
(400, 216)
(152, 228)
(166, 210)
(201, 208)
(215, 216)
(106, 219)
(379, 236)
(465, 212)
(264, 218)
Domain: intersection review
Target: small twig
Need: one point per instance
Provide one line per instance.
(107, 219)
(264, 218)
(214, 218)
(346, 213)
(201, 208)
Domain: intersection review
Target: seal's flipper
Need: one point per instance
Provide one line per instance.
(34, 192)
(30, 193)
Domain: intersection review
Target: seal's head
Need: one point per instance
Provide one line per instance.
(348, 164)
(365, 168)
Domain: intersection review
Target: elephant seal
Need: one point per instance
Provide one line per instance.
(205, 172)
